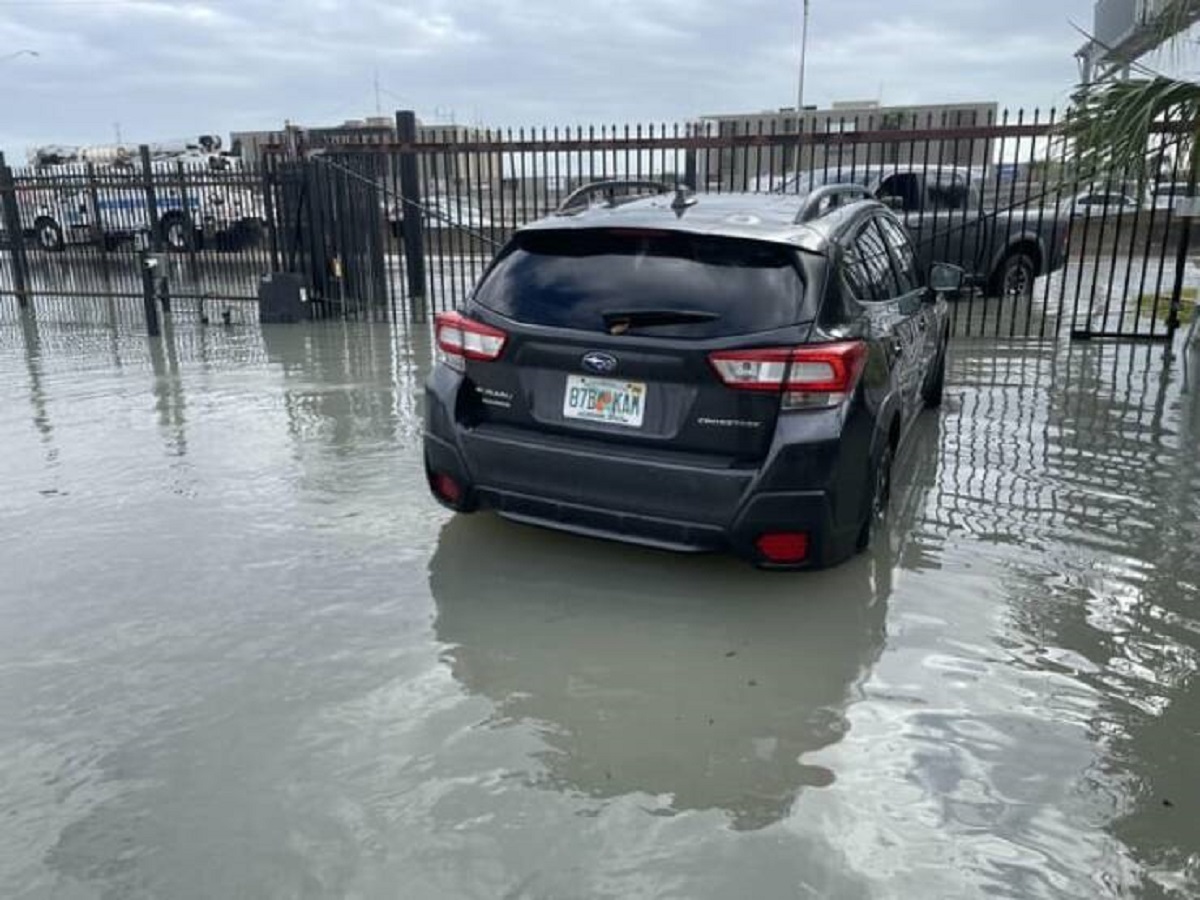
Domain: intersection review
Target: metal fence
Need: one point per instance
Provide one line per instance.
(79, 232)
(386, 226)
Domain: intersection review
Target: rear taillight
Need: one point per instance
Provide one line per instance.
(809, 377)
(460, 339)
(783, 547)
(446, 487)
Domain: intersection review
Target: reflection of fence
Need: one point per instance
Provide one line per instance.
(389, 225)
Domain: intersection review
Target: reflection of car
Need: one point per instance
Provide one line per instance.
(1101, 203)
(691, 681)
(942, 207)
(719, 372)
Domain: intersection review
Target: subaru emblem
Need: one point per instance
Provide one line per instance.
(600, 363)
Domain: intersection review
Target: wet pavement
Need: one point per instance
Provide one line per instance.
(243, 655)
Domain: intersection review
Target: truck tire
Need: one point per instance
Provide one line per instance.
(49, 234)
(1015, 276)
(176, 231)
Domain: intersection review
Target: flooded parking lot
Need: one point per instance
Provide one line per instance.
(242, 654)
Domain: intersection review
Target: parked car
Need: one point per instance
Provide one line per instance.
(1101, 202)
(716, 372)
(1002, 251)
(443, 212)
(1168, 195)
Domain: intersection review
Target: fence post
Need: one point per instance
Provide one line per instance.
(151, 199)
(16, 235)
(410, 199)
(1185, 246)
(149, 265)
(269, 209)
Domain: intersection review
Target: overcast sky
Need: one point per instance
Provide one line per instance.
(174, 68)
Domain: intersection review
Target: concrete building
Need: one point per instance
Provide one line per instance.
(751, 167)
(446, 172)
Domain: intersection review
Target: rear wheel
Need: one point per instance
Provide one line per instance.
(176, 231)
(881, 496)
(935, 381)
(49, 234)
(1016, 276)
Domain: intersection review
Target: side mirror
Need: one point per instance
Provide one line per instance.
(893, 202)
(946, 279)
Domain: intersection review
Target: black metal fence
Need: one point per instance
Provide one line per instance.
(389, 226)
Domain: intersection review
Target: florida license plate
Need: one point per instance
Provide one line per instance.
(605, 400)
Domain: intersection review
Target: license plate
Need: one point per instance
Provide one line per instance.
(605, 400)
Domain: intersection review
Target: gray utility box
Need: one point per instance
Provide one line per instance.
(282, 297)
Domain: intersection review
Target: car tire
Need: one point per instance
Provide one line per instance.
(175, 229)
(1015, 277)
(935, 382)
(881, 495)
(48, 234)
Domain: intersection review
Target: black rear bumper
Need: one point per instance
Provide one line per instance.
(671, 507)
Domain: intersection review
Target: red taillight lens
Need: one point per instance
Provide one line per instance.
(460, 339)
(446, 488)
(783, 546)
(813, 375)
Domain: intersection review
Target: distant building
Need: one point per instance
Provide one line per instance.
(441, 171)
(757, 166)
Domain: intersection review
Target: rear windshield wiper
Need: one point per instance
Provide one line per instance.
(622, 320)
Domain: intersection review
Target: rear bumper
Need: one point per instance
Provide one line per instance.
(812, 480)
(724, 529)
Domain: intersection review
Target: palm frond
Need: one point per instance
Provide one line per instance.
(1117, 125)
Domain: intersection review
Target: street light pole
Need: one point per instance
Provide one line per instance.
(800, 89)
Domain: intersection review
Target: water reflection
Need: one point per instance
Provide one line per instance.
(695, 680)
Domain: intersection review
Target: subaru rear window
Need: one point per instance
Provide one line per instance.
(660, 283)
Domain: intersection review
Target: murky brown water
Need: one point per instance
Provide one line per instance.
(243, 655)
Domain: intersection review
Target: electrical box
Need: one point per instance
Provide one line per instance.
(283, 298)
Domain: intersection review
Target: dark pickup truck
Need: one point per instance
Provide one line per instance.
(1002, 251)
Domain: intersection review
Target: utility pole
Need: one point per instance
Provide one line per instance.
(800, 89)
(378, 104)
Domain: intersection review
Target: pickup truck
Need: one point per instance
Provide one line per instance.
(1002, 251)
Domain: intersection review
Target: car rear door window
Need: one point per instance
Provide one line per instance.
(874, 266)
(666, 283)
(903, 257)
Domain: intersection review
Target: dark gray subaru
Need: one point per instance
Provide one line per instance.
(716, 372)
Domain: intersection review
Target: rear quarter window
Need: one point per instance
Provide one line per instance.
(579, 278)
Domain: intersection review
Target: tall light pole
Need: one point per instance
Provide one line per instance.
(800, 89)
(16, 53)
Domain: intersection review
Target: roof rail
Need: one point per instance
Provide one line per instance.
(580, 197)
(837, 195)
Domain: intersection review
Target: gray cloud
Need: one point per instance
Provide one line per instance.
(167, 69)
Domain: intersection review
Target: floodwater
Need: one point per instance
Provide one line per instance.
(242, 654)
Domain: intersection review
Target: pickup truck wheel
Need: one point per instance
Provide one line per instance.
(49, 234)
(1016, 276)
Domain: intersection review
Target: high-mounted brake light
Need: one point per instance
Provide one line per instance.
(809, 377)
(460, 338)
